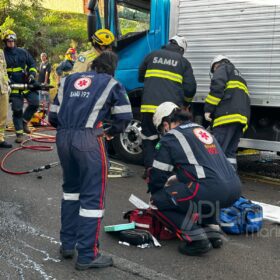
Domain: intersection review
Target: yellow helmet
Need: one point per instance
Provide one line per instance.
(103, 37)
(9, 35)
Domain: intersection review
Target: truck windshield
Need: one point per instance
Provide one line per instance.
(133, 17)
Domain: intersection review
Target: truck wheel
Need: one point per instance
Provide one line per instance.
(128, 145)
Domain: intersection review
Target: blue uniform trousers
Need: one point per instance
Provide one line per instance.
(17, 101)
(180, 203)
(85, 167)
(149, 139)
(228, 136)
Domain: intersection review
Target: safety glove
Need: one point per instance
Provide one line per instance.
(207, 117)
(31, 79)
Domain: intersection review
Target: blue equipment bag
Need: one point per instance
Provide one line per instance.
(242, 217)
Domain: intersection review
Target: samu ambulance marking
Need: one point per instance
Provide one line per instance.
(165, 61)
(82, 94)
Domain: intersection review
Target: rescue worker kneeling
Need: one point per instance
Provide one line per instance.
(83, 102)
(190, 180)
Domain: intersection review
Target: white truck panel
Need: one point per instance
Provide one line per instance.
(248, 32)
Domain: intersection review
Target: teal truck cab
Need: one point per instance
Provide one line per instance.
(245, 31)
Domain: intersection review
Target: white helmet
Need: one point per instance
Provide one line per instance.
(181, 41)
(163, 110)
(216, 59)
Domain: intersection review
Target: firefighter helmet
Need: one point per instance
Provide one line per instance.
(9, 35)
(180, 41)
(71, 54)
(103, 37)
(163, 110)
(217, 59)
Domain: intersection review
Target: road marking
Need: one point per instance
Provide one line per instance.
(270, 212)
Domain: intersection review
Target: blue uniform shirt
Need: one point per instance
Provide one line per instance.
(86, 99)
(193, 154)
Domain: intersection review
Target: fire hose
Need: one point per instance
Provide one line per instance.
(116, 169)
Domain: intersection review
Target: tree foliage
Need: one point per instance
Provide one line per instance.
(41, 30)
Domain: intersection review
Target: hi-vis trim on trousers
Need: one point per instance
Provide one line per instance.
(91, 213)
(164, 75)
(188, 152)
(233, 118)
(71, 196)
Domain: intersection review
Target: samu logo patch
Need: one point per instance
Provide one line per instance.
(82, 83)
(203, 136)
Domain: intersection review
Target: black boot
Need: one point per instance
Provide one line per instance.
(19, 138)
(195, 248)
(26, 128)
(5, 145)
(66, 254)
(100, 262)
(214, 234)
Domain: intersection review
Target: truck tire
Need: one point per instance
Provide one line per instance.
(128, 145)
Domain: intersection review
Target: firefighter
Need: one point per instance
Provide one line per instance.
(167, 76)
(86, 100)
(227, 106)
(4, 100)
(190, 176)
(21, 69)
(102, 40)
(66, 66)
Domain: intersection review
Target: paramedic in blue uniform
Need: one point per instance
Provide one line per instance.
(84, 101)
(227, 106)
(190, 177)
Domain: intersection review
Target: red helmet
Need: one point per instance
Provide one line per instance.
(71, 51)
(71, 54)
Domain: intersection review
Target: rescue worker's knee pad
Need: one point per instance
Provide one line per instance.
(18, 114)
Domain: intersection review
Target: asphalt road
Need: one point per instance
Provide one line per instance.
(30, 222)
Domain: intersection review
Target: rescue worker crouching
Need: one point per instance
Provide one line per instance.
(21, 69)
(167, 76)
(102, 40)
(227, 106)
(84, 101)
(204, 180)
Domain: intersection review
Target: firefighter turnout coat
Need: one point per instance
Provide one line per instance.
(228, 100)
(84, 60)
(20, 65)
(4, 95)
(167, 76)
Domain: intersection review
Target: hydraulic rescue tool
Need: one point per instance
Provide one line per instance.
(35, 86)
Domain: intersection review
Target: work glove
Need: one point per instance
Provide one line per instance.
(207, 117)
(31, 79)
